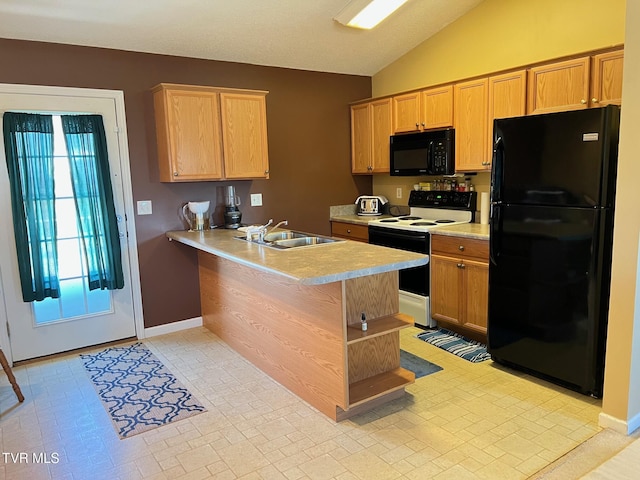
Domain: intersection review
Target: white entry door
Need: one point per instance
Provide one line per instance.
(79, 317)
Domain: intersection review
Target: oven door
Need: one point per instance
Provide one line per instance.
(414, 280)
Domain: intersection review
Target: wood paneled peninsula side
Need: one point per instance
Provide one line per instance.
(296, 315)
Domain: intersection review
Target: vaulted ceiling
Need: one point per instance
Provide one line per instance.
(298, 34)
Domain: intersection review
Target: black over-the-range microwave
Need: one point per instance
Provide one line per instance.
(424, 153)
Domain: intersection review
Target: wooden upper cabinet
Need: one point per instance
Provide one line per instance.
(606, 78)
(370, 132)
(189, 137)
(507, 98)
(209, 133)
(559, 86)
(417, 111)
(437, 107)
(381, 116)
(244, 135)
(471, 125)
(406, 113)
(361, 138)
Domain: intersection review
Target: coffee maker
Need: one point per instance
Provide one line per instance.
(232, 214)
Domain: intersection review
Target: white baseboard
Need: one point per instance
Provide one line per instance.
(173, 327)
(625, 427)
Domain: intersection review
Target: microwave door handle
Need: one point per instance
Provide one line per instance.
(431, 170)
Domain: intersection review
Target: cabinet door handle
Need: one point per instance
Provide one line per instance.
(348, 230)
(266, 172)
(175, 174)
(423, 125)
(583, 101)
(417, 125)
(461, 248)
(461, 265)
(594, 100)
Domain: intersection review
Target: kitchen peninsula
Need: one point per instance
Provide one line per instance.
(296, 315)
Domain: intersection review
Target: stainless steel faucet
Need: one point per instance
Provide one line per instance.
(261, 230)
(283, 222)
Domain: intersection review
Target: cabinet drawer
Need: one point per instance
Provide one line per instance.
(460, 246)
(350, 230)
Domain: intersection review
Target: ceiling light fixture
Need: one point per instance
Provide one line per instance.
(367, 14)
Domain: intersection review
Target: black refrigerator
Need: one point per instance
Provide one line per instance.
(552, 198)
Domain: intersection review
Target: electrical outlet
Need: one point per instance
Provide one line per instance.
(145, 207)
(256, 199)
(399, 192)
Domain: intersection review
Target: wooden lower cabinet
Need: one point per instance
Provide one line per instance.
(460, 282)
(350, 231)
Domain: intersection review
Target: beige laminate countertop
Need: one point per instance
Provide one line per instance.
(468, 230)
(357, 219)
(310, 265)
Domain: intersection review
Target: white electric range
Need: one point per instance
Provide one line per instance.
(428, 210)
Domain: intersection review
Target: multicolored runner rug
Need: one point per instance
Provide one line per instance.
(137, 390)
(457, 344)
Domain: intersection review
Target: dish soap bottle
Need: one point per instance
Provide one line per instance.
(363, 319)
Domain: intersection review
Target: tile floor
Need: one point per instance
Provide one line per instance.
(467, 421)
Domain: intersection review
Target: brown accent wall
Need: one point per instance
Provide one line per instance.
(309, 149)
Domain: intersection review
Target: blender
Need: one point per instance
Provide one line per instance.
(197, 215)
(232, 215)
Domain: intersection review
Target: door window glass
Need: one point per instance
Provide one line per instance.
(76, 300)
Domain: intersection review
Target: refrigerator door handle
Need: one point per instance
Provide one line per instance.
(496, 171)
(495, 225)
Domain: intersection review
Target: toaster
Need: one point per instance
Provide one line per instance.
(370, 204)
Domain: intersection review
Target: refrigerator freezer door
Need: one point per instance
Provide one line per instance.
(565, 158)
(548, 292)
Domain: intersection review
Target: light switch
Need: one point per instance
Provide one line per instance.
(145, 207)
(256, 199)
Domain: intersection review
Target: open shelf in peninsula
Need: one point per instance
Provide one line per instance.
(296, 315)
(378, 326)
(381, 384)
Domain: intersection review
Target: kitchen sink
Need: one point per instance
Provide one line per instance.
(286, 239)
(303, 241)
(284, 235)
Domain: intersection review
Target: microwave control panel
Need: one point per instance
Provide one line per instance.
(440, 158)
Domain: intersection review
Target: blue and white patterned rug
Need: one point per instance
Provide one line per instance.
(457, 344)
(137, 390)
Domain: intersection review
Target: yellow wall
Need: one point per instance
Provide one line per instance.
(621, 403)
(501, 34)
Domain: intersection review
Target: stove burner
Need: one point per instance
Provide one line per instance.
(445, 221)
(389, 220)
(421, 224)
(410, 218)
